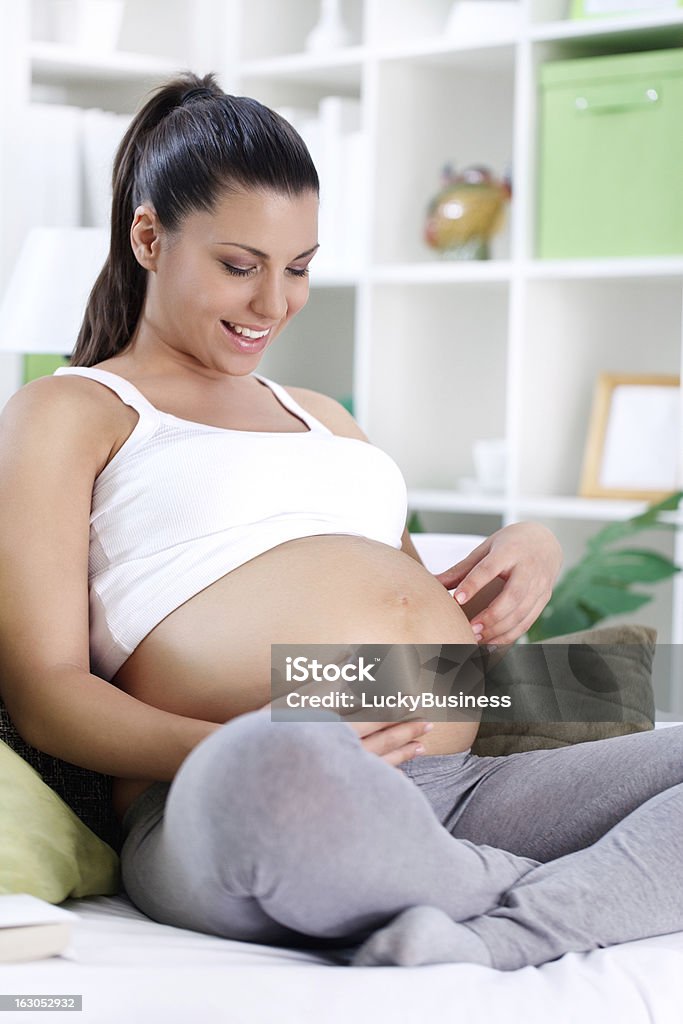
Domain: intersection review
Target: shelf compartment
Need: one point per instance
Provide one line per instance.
(432, 116)
(394, 28)
(436, 363)
(575, 330)
(268, 31)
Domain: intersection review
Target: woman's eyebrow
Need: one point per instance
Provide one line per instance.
(265, 256)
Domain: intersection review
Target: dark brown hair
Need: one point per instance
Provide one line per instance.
(188, 146)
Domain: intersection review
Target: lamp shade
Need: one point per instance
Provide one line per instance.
(45, 300)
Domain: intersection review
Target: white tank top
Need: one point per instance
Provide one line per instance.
(183, 503)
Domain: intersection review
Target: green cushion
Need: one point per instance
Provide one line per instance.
(88, 793)
(609, 691)
(45, 849)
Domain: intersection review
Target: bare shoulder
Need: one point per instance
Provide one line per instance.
(51, 410)
(50, 397)
(329, 411)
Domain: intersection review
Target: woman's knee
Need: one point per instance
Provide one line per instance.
(259, 751)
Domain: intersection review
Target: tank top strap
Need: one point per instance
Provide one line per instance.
(126, 391)
(290, 403)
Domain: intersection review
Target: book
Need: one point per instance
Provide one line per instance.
(31, 928)
(339, 118)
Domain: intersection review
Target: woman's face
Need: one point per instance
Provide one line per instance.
(222, 288)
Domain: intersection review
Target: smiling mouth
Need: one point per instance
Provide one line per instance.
(247, 332)
(246, 338)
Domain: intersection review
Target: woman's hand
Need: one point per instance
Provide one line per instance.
(394, 742)
(527, 558)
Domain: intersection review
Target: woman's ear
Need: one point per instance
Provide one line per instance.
(145, 236)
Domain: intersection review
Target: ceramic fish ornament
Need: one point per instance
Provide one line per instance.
(467, 212)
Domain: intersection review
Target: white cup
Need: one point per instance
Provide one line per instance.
(490, 462)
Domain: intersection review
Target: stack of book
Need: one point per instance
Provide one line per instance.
(31, 928)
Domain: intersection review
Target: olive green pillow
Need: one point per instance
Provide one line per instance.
(45, 849)
(608, 677)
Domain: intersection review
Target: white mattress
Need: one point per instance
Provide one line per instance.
(128, 968)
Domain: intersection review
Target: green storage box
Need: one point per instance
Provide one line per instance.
(611, 156)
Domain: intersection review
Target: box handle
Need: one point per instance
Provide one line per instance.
(617, 99)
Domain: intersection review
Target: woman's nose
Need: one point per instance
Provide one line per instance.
(270, 301)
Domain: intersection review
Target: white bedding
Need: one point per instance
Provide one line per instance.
(128, 968)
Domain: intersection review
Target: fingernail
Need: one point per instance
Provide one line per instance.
(428, 727)
(419, 749)
(478, 628)
(461, 597)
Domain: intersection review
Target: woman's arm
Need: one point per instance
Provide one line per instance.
(55, 436)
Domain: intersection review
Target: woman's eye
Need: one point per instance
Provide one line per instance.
(246, 272)
(238, 271)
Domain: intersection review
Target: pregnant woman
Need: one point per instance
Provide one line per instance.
(167, 514)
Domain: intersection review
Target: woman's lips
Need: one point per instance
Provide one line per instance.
(243, 343)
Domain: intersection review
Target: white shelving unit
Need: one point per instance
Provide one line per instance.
(436, 354)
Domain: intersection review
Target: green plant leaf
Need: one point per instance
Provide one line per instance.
(646, 520)
(558, 620)
(630, 565)
(598, 585)
(612, 600)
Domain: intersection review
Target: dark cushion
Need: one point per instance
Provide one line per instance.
(87, 793)
(584, 686)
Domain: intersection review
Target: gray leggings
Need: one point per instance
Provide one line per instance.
(292, 834)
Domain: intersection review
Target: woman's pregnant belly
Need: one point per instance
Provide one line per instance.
(210, 658)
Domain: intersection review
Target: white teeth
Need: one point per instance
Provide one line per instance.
(246, 332)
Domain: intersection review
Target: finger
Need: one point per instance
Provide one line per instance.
(484, 572)
(406, 753)
(409, 727)
(389, 740)
(364, 729)
(511, 604)
(498, 619)
(511, 632)
(452, 577)
(481, 601)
